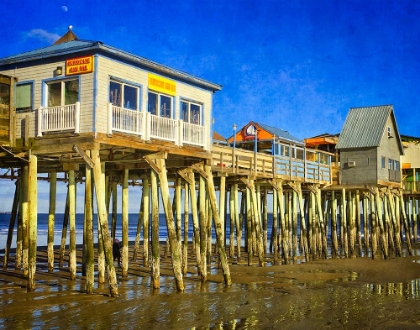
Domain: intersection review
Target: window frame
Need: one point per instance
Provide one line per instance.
(130, 84)
(45, 89)
(189, 102)
(158, 109)
(32, 96)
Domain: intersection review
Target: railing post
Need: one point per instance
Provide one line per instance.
(109, 118)
(147, 122)
(180, 133)
(205, 145)
(77, 118)
(39, 122)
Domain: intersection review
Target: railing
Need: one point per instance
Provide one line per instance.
(127, 121)
(163, 128)
(246, 162)
(56, 119)
(150, 126)
(193, 134)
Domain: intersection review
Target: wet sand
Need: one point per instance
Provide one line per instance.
(356, 293)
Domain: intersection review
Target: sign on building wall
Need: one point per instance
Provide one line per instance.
(79, 65)
(163, 85)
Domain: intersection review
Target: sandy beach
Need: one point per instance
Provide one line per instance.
(356, 293)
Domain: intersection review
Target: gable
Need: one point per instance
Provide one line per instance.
(365, 127)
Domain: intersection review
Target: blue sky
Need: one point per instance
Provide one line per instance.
(295, 65)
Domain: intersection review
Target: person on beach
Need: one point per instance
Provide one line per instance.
(116, 251)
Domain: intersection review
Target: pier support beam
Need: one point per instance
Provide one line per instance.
(89, 256)
(72, 222)
(124, 255)
(33, 220)
(103, 221)
(51, 220)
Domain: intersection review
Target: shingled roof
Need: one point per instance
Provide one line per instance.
(365, 126)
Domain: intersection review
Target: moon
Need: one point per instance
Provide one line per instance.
(64, 8)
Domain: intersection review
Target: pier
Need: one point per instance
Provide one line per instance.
(127, 121)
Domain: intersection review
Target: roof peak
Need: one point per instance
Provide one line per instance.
(68, 36)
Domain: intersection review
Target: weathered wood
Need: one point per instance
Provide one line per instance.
(257, 224)
(22, 238)
(140, 224)
(185, 242)
(283, 229)
(343, 214)
(351, 224)
(374, 226)
(72, 223)
(232, 211)
(203, 227)
(51, 221)
(383, 240)
(176, 255)
(178, 207)
(89, 260)
(33, 218)
(12, 222)
(146, 217)
(114, 216)
(275, 228)
(64, 230)
(334, 238)
(265, 219)
(103, 221)
(195, 218)
(218, 226)
(124, 208)
(155, 231)
(248, 227)
(405, 223)
(238, 222)
(222, 204)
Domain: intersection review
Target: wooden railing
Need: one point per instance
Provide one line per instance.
(239, 161)
(149, 126)
(57, 119)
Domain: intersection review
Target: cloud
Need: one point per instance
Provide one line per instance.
(43, 35)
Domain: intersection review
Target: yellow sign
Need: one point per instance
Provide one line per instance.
(162, 85)
(79, 65)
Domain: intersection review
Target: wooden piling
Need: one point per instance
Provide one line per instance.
(24, 197)
(155, 231)
(167, 206)
(12, 222)
(124, 209)
(203, 227)
(334, 238)
(33, 219)
(89, 257)
(51, 221)
(186, 225)
(146, 216)
(72, 223)
(103, 221)
(218, 226)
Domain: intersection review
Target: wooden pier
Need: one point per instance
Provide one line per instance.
(121, 119)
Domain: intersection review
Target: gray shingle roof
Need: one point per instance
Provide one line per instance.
(364, 127)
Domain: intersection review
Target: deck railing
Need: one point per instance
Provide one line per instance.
(245, 162)
(57, 119)
(127, 121)
(150, 126)
(193, 134)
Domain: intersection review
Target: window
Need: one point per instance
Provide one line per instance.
(191, 112)
(389, 131)
(123, 95)
(383, 162)
(63, 93)
(24, 97)
(160, 105)
(4, 94)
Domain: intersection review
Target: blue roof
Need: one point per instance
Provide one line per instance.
(78, 46)
(284, 135)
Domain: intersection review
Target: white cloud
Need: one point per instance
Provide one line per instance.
(43, 35)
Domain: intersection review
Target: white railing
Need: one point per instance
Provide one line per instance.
(56, 119)
(127, 121)
(154, 127)
(163, 128)
(193, 134)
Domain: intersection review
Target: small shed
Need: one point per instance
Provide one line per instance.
(370, 147)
